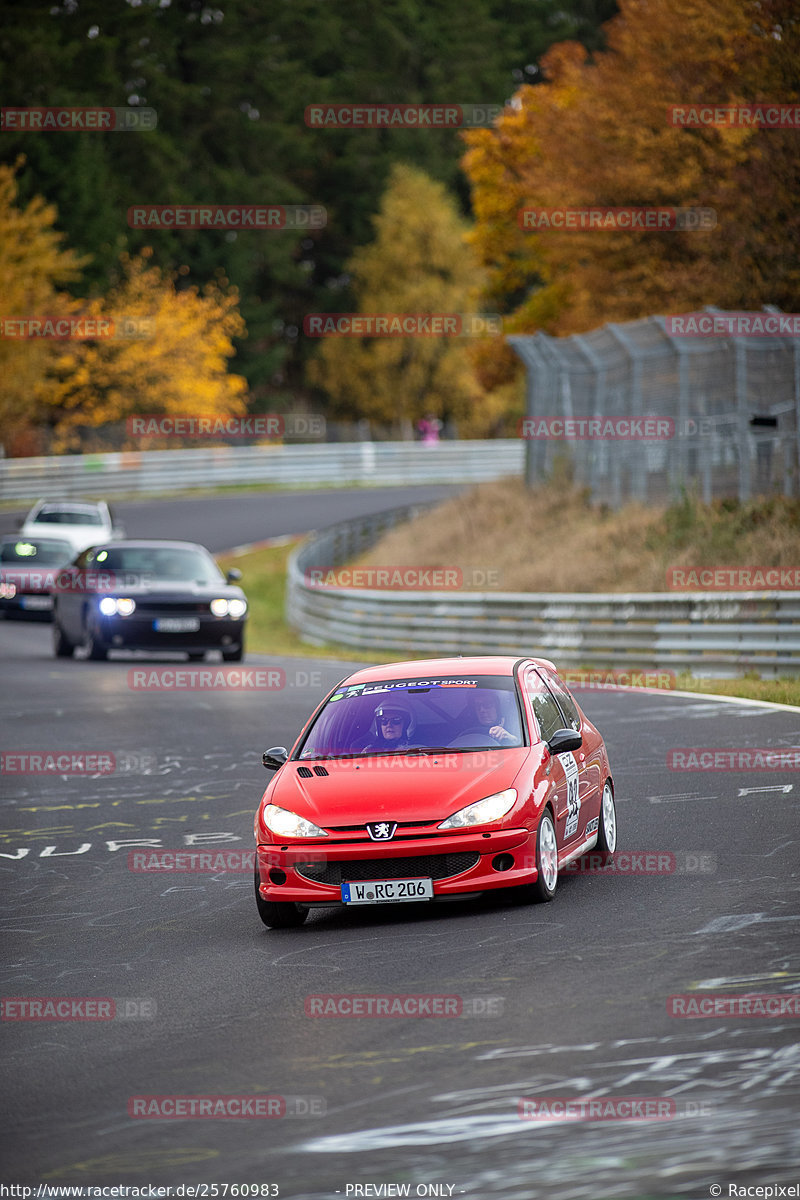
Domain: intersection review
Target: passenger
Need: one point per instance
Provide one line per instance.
(490, 722)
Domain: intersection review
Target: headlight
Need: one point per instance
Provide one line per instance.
(288, 824)
(228, 608)
(110, 606)
(482, 812)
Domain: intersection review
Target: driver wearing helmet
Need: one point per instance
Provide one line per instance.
(391, 727)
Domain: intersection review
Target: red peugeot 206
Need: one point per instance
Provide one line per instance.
(436, 780)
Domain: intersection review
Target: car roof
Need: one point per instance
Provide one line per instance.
(148, 544)
(479, 664)
(76, 505)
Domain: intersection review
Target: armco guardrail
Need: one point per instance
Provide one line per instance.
(719, 635)
(366, 463)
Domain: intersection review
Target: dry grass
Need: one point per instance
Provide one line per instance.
(552, 540)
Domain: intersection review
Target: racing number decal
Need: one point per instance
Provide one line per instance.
(573, 798)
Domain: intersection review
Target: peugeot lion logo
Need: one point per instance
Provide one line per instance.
(381, 831)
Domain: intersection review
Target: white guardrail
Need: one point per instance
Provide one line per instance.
(333, 463)
(711, 634)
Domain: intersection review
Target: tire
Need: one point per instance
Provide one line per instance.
(62, 646)
(278, 915)
(546, 864)
(235, 655)
(607, 828)
(96, 651)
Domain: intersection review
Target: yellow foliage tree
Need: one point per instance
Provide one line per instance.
(168, 355)
(596, 134)
(32, 266)
(419, 262)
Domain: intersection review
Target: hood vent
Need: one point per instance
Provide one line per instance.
(304, 772)
(320, 771)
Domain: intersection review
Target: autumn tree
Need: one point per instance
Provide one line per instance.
(167, 352)
(596, 133)
(34, 265)
(418, 263)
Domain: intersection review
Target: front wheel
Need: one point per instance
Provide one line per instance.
(62, 646)
(278, 915)
(546, 863)
(235, 655)
(96, 650)
(607, 829)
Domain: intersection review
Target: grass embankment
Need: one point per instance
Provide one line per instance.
(553, 540)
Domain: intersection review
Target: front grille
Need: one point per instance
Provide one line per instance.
(426, 866)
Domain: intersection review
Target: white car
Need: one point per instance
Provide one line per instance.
(81, 523)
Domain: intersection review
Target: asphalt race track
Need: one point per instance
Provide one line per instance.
(228, 519)
(564, 1000)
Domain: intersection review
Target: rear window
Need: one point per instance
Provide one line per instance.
(68, 516)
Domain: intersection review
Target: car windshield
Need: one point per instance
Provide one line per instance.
(41, 552)
(400, 715)
(179, 564)
(68, 516)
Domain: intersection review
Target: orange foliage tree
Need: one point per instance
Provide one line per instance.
(168, 355)
(597, 134)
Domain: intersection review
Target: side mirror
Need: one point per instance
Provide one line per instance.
(234, 575)
(275, 757)
(564, 740)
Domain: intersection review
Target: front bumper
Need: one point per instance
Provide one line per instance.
(289, 860)
(140, 633)
(34, 605)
